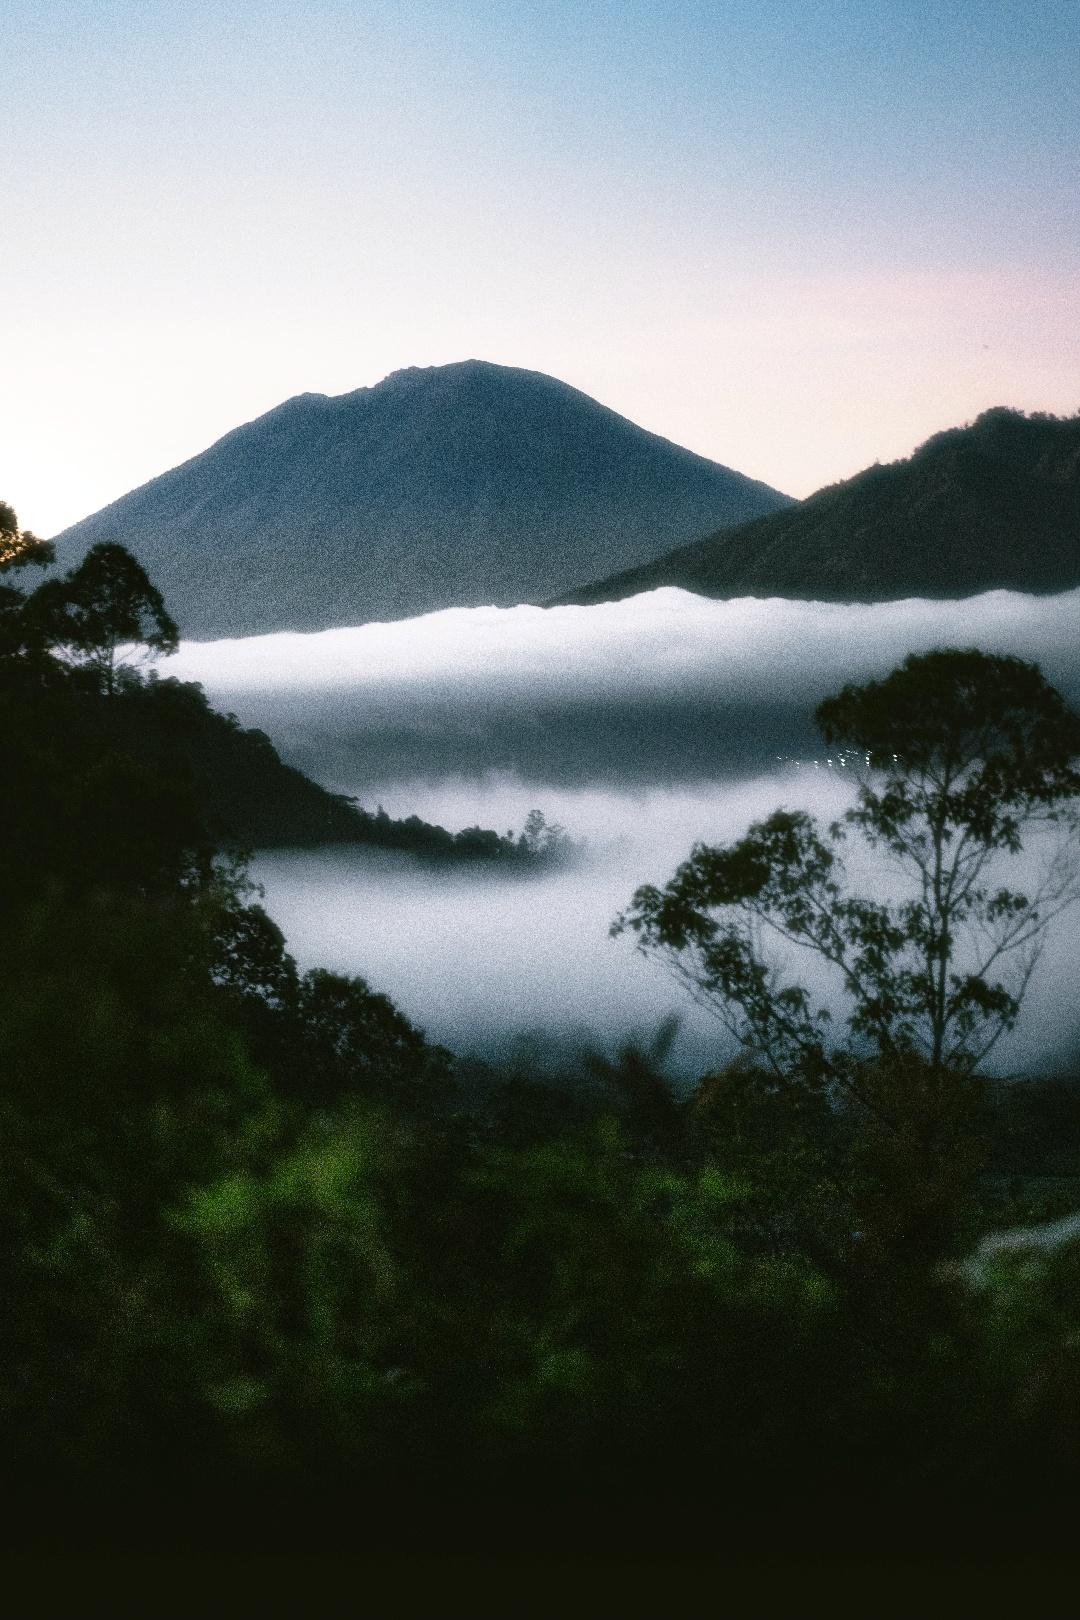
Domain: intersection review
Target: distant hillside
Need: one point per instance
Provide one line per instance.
(460, 485)
(992, 506)
(247, 797)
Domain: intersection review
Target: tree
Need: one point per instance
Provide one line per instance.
(18, 549)
(543, 840)
(962, 757)
(103, 609)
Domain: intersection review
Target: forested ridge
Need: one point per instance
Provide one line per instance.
(991, 506)
(226, 778)
(248, 798)
(262, 1264)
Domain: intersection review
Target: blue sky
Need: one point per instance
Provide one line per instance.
(797, 237)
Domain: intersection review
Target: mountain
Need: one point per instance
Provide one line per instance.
(995, 505)
(457, 485)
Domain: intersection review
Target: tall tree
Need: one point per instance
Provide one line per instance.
(105, 612)
(962, 757)
(18, 549)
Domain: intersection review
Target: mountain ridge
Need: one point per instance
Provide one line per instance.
(992, 505)
(439, 486)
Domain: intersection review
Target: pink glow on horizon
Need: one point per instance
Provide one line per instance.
(799, 381)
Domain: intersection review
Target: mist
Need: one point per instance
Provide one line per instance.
(488, 964)
(640, 726)
(663, 688)
(494, 966)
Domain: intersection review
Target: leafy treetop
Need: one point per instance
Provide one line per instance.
(103, 608)
(18, 547)
(964, 755)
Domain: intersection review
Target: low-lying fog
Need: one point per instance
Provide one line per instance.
(482, 960)
(641, 726)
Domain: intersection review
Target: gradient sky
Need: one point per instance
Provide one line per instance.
(797, 236)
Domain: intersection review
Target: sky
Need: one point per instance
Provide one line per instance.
(797, 236)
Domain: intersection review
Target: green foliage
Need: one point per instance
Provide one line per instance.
(1026, 1287)
(622, 1320)
(787, 1151)
(121, 1085)
(249, 1234)
(651, 1112)
(297, 1295)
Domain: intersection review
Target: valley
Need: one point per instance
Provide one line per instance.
(642, 728)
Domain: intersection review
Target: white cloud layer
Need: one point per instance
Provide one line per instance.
(663, 643)
(663, 687)
(597, 716)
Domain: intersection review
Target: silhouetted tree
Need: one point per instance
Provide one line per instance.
(653, 1114)
(541, 839)
(18, 549)
(247, 1232)
(962, 755)
(103, 607)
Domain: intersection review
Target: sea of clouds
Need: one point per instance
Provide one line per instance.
(642, 726)
(663, 687)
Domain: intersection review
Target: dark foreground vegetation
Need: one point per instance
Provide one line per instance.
(244, 796)
(264, 1275)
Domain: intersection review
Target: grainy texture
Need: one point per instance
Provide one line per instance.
(992, 506)
(447, 486)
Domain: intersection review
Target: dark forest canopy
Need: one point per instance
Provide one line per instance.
(992, 506)
(268, 1283)
(250, 799)
(83, 639)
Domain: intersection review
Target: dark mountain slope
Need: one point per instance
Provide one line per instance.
(448, 486)
(994, 505)
(247, 797)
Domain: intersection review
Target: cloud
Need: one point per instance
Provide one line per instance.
(662, 687)
(642, 726)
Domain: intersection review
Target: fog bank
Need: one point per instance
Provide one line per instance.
(642, 726)
(667, 687)
(484, 961)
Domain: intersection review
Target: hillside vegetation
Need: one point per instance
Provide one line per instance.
(248, 798)
(269, 1284)
(993, 506)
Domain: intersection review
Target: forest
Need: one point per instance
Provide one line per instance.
(265, 1260)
